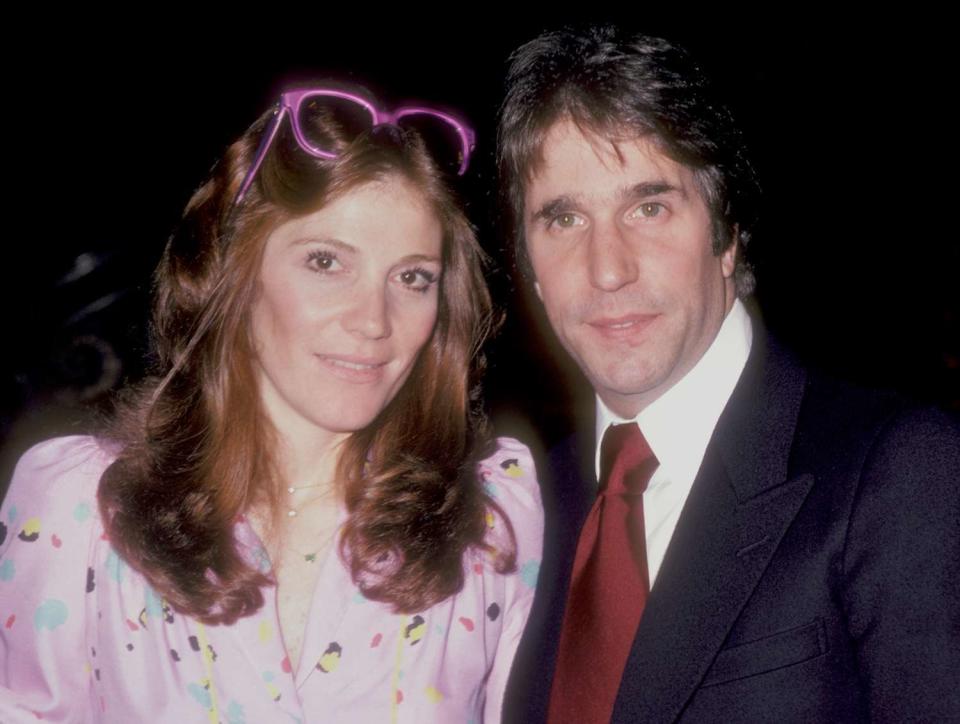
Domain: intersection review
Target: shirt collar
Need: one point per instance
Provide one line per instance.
(679, 423)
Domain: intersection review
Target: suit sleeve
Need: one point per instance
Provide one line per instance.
(513, 486)
(902, 564)
(48, 528)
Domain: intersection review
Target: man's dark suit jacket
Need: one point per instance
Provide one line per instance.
(814, 574)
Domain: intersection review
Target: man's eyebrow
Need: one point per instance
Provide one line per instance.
(553, 207)
(646, 189)
(642, 190)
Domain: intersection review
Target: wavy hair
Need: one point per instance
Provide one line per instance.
(198, 449)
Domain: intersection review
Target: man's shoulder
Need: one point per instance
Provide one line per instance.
(837, 414)
(827, 405)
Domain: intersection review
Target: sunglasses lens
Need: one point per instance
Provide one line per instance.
(328, 123)
(441, 138)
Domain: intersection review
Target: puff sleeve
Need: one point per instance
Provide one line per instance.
(49, 527)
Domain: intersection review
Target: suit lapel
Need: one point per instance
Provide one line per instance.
(739, 507)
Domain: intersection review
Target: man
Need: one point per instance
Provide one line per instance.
(795, 552)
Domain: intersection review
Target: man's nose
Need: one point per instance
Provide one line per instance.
(369, 313)
(613, 261)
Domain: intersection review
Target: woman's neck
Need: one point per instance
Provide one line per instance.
(309, 463)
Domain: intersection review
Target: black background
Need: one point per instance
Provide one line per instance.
(110, 130)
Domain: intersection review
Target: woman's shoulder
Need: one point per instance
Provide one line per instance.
(65, 458)
(510, 479)
(56, 479)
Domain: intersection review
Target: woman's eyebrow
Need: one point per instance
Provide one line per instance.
(420, 257)
(328, 240)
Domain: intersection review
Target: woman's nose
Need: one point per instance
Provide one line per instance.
(369, 314)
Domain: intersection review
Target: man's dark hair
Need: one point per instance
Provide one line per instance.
(620, 87)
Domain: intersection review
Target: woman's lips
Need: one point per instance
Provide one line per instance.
(353, 369)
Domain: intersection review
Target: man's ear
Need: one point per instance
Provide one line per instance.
(728, 259)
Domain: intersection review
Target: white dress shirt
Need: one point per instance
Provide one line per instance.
(678, 426)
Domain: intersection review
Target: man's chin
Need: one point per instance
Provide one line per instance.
(626, 395)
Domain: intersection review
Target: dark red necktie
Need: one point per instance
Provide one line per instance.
(608, 587)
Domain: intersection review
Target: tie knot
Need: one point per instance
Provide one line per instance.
(626, 460)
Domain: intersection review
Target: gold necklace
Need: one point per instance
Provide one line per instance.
(293, 510)
(292, 489)
(311, 557)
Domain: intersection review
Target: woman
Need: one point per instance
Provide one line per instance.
(293, 519)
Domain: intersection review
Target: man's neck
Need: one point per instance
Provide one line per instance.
(689, 409)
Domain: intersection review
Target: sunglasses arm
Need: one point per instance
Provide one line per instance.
(265, 142)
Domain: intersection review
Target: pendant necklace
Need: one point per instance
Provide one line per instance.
(313, 555)
(292, 512)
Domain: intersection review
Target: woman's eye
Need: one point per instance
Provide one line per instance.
(419, 280)
(323, 261)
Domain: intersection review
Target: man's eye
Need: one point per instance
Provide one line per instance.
(566, 220)
(649, 209)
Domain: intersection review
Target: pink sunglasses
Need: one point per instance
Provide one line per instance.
(351, 111)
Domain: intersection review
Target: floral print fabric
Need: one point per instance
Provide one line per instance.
(84, 638)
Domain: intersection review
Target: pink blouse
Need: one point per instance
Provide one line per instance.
(83, 637)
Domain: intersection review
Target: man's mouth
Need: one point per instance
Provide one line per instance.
(623, 325)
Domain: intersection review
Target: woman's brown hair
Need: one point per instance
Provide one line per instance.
(197, 449)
